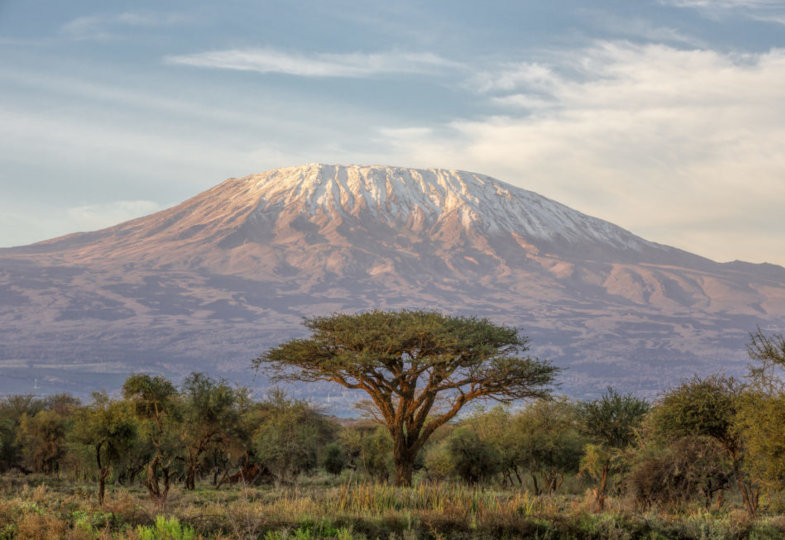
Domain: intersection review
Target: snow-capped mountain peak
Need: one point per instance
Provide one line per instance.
(428, 197)
(367, 209)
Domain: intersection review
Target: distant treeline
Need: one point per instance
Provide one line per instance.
(700, 441)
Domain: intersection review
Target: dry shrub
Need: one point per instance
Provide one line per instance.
(126, 507)
(689, 469)
(34, 526)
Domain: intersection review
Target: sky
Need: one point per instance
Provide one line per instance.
(665, 117)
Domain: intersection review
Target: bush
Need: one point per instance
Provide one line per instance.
(166, 529)
(474, 459)
(690, 468)
(334, 460)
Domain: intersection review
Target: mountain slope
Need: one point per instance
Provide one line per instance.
(209, 283)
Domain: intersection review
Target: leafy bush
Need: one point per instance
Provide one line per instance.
(688, 469)
(166, 529)
(334, 460)
(474, 459)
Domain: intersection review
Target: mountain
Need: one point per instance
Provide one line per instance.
(210, 283)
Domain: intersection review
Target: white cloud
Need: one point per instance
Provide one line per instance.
(725, 4)
(682, 146)
(35, 223)
(97, 216)
(639, 28)
(268, 60)
(772, 11)
(514, 75)
(106, 26)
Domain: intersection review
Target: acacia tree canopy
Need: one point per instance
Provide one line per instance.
(407, 361)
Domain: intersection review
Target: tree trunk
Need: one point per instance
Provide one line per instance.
(600, 492)
(219, 482)
(534, 483)
(403, 458)
(404, 469)
(102, 474)
(165, 493)
(190, 477)
(151, 482)
(555, 481)
(750, 495)
(518, 476)
(403, 474)
(157, 494)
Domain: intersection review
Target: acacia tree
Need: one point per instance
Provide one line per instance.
(154, 401)
(108, 427)
(418, 367)
(709, 407)
(761, 413)
(42, 440)
(610, 421)
(289, 436)
(547, 442)
(209, 416)
(12, 410)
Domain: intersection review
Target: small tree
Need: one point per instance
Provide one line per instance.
(209, 418)
(709, 407)
(12, 409)
(109, 428)
(674, 474)
(407, 361)
(547, 442)
(610, 422)
(496, 427)
(375, 453)
(155, 404)
(473, 458)
(761, 414)
(334, 459)
(42, 440)
(288, 439)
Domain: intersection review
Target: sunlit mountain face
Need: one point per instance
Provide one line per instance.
(209, 284)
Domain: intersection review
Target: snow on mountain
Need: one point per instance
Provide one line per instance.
(209, 283)
(415, 199)
(426, 199)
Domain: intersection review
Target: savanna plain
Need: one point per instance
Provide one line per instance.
(206, 460)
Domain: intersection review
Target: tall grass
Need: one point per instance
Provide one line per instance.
(349, 510)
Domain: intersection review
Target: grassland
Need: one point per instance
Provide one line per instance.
(42, 507)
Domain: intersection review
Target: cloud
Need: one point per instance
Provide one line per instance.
(97, 216)
(33, 223)
(771, 11)
(107, 26)
(680, 146)
(724, 4)
(269, 60)
(637, 28)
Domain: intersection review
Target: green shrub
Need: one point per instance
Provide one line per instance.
(334, 460)
(166, 529)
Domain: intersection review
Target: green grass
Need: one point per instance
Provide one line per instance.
(38, 507)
